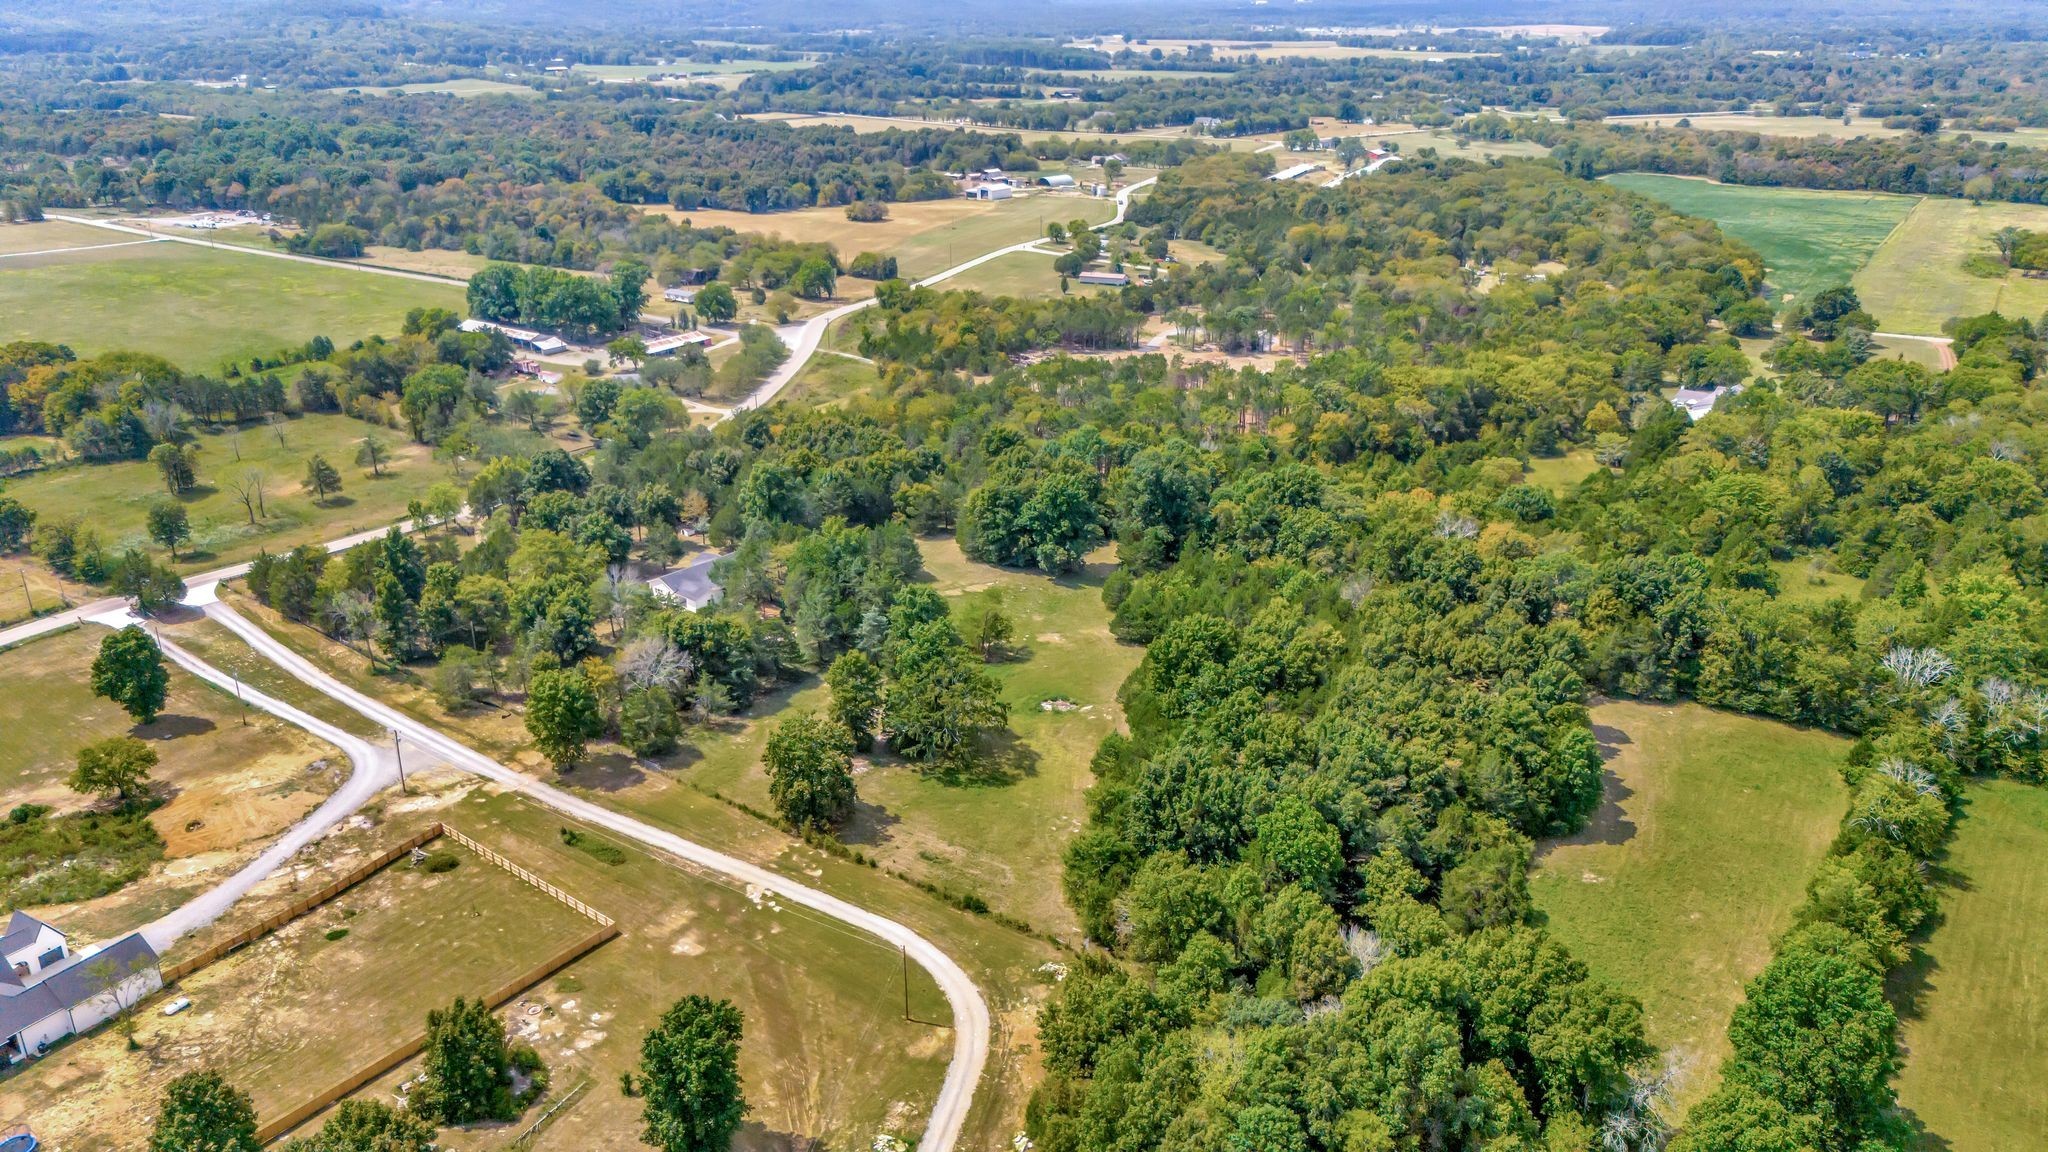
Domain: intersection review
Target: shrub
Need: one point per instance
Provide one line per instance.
(439, 862)
(602, 850)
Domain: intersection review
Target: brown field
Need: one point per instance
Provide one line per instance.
(297, 1011)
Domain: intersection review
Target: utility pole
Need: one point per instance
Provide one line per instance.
(239, 700)
(25, 594)
(398, 751)
(900, 951)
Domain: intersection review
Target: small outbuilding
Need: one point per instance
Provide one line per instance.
(1057, 180)
(989, 192)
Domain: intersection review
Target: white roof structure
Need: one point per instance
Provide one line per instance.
(1697, 402)
(668, 344)
(1057, 180)
(691, 585)
(1294, 172)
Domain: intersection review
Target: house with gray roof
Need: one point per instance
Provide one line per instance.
(48, 991)
(691, 585)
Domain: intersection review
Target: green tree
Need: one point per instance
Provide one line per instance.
(562, 714)
(991, 631)
(856, 684)
(1816, 1033)
(168, 524)
(368, 1126)
(321, 478)
(690, 1077)
(429, 399)
(371, 453)
(116, 768)
(810, 772)
(716, 303)
(175, 463)
(17, 520)
(467, 1073)
(201, 1112)
(941, 699)
(649, 721)
(130, 670)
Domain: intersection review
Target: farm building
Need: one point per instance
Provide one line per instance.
(48, 991)
(525, 337)
(1294, 172)
(680, 295)
(665, 345)
(989, 192)
(1109, 279)
(691, 584)
(1057, 180)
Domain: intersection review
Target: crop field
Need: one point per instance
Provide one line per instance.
(1809, 240)
(114, 498)
(1975, 999)
(301, 1008)
(1916, 280)
(198, 307)
(1693, 865)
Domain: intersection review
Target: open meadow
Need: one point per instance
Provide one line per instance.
(464, 87)
(225, 786)
(1915, 279)
(194, 306)
(1008, 965)
(1694, 864)
(925, 236)
(1974, 999)
(1809, 240)
(113, 498)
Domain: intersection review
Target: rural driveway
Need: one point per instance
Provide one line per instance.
(803, 339)
(970, 1011)
(374, 770)
(30, 629)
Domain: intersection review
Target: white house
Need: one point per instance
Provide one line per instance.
(48, 991)
(680, 295)
(690, 585)
(1697, 402)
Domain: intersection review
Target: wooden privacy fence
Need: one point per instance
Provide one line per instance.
(279, 1125)
(298, 908)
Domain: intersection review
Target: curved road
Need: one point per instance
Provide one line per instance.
(374, 769)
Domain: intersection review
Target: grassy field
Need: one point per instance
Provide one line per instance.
(44, 235)
(1808, 579)
(1765, 124)
(1447, 144)
(1973, 1001)
(924, 236)
(1809, 240)
(1018, 274)
(226, 786)
(1697, 860)
(1915, 280)
(868, 124)
(114, 498)
(1563, 473)
(1281, 49)
(829, 381)
(199, 307)
(1008, 966)
(1000, 834)
(308, 1004)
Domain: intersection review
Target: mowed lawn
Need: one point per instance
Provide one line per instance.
(199, 307)
(1809, 240)
(1916, 279)
(998, 833)
(925, 236)
(1694, 864)
(1975, 1000)
(295, 1012)
(114, 498)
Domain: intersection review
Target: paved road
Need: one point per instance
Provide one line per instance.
(970, 1011)
(272, 253)
(803, 339)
